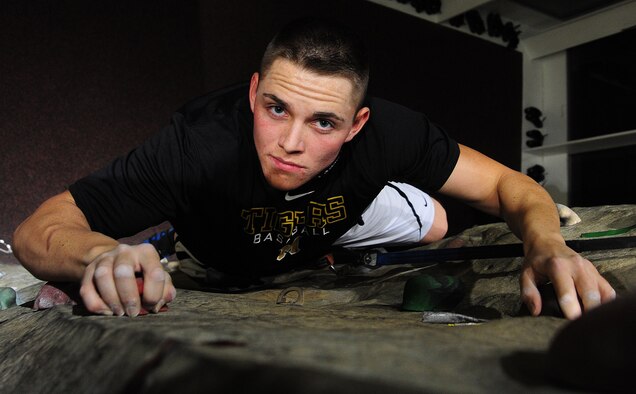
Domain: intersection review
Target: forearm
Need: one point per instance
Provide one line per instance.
(532, 215)
(528, 210)
(56, 242)
(498, 190)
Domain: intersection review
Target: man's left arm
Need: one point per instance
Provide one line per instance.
(532, 215)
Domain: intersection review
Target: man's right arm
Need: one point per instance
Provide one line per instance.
(56, 243)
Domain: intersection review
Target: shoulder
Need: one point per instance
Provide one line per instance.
(396, 123)
(389, 107)
(415, 149)
(390, 115)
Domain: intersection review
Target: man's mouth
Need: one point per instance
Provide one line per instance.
(285, 165)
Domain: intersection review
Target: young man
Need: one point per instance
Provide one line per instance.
(277, 173)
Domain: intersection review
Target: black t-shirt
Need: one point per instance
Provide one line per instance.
(203, 175)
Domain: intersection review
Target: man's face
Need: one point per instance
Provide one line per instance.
(301, 120)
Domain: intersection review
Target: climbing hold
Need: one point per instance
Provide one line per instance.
(432, 292)
(284, 296)
(7, 298)
(67, 293)
(56, 293)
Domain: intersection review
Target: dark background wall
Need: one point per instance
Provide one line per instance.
(82, 82)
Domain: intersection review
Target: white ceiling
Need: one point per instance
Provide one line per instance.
(530, 21)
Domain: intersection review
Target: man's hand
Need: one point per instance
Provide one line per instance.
(576, 280)
(56, 243)
(109, 285)
(532, 216)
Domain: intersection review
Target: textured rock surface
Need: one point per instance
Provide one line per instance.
(14, 275)
(347, 334)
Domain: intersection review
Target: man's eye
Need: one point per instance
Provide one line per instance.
(277, 110)
(324, 124)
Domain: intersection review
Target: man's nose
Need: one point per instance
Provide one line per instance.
(292, 139)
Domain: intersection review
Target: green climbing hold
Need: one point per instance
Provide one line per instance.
(432, 292)
(7, 298)
(607, 233)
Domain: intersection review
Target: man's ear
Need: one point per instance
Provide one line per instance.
(253, 88)
(358, 122)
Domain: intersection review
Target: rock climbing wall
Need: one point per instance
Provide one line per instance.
(346, 333)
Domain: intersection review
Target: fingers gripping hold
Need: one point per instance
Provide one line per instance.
(110, 282)
(529, 292)
(578, 286)
(154, 282)
(92, 301)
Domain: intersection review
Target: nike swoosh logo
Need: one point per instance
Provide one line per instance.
(289, 197)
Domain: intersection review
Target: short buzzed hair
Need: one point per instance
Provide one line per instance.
(323, 47)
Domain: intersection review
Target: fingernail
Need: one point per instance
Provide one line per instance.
(116, 310)
(106, 312)
(158, 306)
(132, 310)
